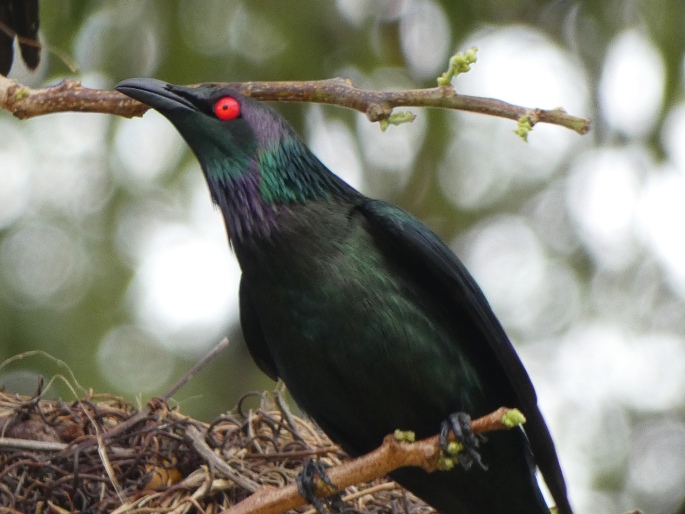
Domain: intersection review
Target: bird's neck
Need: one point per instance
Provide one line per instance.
(258, 198)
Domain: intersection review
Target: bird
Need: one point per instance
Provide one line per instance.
(364, 313)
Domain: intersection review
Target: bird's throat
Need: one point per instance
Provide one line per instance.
(255, 198)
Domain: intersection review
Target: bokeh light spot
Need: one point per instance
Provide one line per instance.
(425, 37)
(186, 288)
(333, 142)
(602, 195)
(16, 165)
(133, 361)
(509, 263)
(656, 469)
(146, 149)
(632, 85)
(660, 223)
(41, 264)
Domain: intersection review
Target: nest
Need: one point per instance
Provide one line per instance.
(100, 454)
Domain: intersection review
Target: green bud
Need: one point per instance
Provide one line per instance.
(405, 435)
(445, 462)
(21, 93)
(458, 63)
(397, 118)
(454, 447)
(525, 125)
(513, 418)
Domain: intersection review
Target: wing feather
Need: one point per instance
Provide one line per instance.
(413, 242)
(253, 335)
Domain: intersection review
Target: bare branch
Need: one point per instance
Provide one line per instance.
(69, 95)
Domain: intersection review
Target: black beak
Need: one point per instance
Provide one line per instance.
(164, 97)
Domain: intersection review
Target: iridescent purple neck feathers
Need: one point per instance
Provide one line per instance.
(253, 197)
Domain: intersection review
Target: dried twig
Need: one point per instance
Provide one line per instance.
(28, 444)
(223, 344)
(198, 442)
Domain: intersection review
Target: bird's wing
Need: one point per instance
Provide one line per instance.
(416, 245)
(253, 335)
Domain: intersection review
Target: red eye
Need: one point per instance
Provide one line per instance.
(227, 108)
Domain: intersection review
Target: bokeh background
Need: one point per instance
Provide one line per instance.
(113, 260)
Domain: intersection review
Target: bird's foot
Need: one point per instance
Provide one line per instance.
(307, 486)
(465, 450)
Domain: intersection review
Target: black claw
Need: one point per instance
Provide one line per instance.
(459, 423)
(306, 485)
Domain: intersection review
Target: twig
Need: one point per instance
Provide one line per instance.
(223, 344)
(69, 95)
(28, 444)
(202, 448)
(392, 454)
(294, 454)
(385, 486)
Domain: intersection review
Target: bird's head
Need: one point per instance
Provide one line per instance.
(252, 159)
(228, 132)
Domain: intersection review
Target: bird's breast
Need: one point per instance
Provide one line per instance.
(354, 339)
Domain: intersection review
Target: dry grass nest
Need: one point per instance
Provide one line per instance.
(101, 455)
